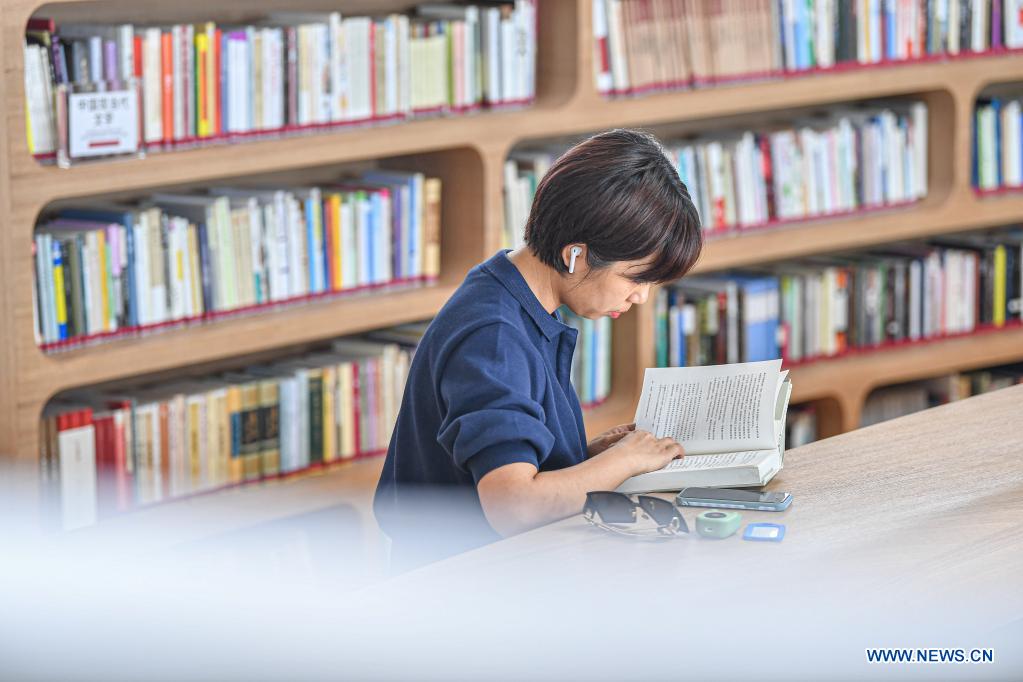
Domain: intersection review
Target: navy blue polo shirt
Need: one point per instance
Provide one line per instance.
(490, 384)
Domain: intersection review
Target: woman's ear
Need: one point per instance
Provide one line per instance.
(574, 255)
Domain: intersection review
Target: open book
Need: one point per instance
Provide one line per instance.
(729, 418)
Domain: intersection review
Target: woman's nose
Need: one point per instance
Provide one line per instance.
(639, 296)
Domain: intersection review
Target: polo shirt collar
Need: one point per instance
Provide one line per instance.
(505, 272)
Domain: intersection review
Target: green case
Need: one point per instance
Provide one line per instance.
(718, 523)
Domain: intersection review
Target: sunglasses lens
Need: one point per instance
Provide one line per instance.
(610, 506)
(662, 511)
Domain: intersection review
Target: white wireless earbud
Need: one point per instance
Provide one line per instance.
(571, 263)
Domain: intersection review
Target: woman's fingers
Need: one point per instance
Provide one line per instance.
(671, 446)
(620, 430)
(612, 438)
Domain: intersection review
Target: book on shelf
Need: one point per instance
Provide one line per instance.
(842, 160)
(644, 45)
(109, 451)
(729, 418)
(73, 467)
(104, 269)
(800, 425)
(591, 362)
(734, 317)
(523, 171)
(825, 306)
(40, 114)
(997, 136)
(285, 71)
(848, 159)
(890, 402)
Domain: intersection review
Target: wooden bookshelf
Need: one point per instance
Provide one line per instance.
(468, 153)
(957, 211)
(862, 372)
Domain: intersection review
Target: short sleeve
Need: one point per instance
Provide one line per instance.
(490, 385)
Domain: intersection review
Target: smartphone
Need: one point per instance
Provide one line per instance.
(730, 498)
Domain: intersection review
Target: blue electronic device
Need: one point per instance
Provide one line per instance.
(764, 532)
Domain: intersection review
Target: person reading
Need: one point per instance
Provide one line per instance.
(489, 439)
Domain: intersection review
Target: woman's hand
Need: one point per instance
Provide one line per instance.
(645, 452)
(516, 497)
(608, 438)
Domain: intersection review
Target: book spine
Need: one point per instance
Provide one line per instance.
(201, 87)
(315, 417)
(167, 70)
(270, 422)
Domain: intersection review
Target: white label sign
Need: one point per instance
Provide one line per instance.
(102, 123)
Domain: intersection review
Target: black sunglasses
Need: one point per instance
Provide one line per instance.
(606, 509)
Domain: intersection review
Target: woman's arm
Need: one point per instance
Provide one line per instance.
(516, 497)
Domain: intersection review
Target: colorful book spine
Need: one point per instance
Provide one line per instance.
(852, 160)
(997, 139)
(591, 363)
(827, 306)
(287, 72)
(118, 270)
(108, 453)
(652, 45)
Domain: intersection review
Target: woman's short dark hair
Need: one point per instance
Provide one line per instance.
(618, 193)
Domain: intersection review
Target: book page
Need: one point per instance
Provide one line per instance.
(720, 408)
(781, 410)
(729, 469)
(721, 461)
